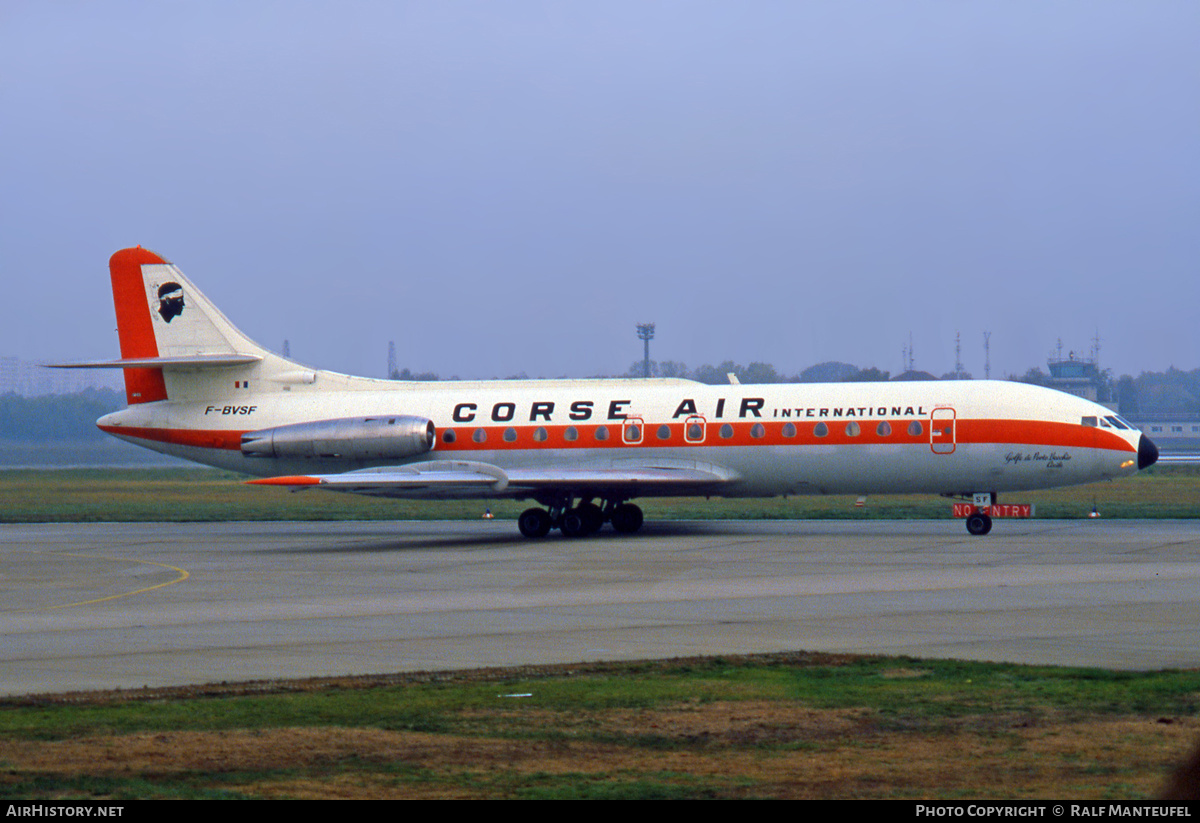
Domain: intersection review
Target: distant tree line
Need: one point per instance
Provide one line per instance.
(57, 416)
(407, 374)
(829, 372)
(1151, 393)
(1171, 392)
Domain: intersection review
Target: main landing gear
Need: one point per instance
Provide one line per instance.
(581, 520)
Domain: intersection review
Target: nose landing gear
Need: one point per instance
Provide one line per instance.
(979, 511)
(979, 524)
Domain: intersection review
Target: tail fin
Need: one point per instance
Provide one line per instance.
(175, 344)
(165, 322)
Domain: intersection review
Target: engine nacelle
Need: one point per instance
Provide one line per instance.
(387, 437)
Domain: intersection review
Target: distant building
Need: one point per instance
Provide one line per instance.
(1172, 433)
(1080, 377)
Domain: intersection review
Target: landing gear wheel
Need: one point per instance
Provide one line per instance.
(534, 522)
(573, 524)
(627, 518)
(581, 520)
(594, 516)
(979, 524)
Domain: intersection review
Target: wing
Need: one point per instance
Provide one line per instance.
(440, 479)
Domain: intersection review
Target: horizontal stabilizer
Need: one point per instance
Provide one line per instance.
(182, 361)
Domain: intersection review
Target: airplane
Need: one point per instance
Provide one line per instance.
(582, 450)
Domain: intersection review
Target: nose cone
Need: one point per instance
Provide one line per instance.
(1147, 452)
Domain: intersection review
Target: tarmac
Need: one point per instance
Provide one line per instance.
(102, 606)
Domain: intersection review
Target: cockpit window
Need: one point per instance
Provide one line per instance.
(1089, 421)
(1116, 423)
(1126, 422)
(1105, 424)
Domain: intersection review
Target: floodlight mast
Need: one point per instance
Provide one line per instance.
(645, 332)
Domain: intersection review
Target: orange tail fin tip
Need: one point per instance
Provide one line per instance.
(135, 327)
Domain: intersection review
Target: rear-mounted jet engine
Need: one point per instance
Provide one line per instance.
(391, 437)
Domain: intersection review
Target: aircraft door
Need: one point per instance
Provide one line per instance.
(942, 436)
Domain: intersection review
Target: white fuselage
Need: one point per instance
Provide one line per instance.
(775, 439)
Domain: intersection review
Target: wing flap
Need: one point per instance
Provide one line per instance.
(435, 478)
(452, 478)
(626, 475)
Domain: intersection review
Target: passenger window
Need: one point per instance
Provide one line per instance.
(571, 434)
(510, 435)
(884, 429)
(915, 428)
(757, 431)
(1089, 421)
(821, 430)
(448, 436)
(695, 432)
(664, 432)
(852, 429)
(540, 434)
(789, 429)
(726, 431)
(479, 436)
(602, 432)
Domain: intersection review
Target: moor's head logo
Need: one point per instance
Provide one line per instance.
(170, 300)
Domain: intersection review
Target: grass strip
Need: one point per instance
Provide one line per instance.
(793, 725)
(205, 495)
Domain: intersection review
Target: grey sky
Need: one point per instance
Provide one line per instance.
(506, 187)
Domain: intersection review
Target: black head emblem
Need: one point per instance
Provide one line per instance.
(170, 301)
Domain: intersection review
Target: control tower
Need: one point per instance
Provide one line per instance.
(1076, 374)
